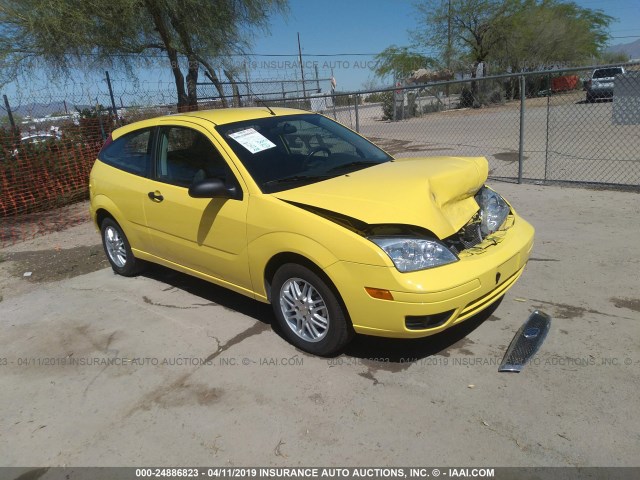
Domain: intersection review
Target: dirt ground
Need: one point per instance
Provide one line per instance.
(163, 369)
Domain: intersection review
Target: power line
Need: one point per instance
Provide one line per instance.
(158, 55)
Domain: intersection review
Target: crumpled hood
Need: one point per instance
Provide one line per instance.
(435, 193)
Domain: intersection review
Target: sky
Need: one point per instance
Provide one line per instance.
(369, 26)
(347, 33)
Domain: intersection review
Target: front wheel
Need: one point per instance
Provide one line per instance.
(308, 311)
(118, 250)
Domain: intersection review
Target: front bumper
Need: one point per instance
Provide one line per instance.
(601, 91)
(452, 293)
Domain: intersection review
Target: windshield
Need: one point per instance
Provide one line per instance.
(607, 72)
(285, 152)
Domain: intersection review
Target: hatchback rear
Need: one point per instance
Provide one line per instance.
(601, 83)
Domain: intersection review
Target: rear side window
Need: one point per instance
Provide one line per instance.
(130, 153)
(607, 72)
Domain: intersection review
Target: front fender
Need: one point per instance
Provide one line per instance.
(266, 247)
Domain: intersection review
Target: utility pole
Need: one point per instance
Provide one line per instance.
(304, 91)
(449, 35)
(448, 43)
(246, 80)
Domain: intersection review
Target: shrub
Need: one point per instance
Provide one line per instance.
(496, 96)
(387, 105)
(467, 99)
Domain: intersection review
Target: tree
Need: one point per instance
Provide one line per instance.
(191, 35)
(464, 30)
(545, 34)
(6, 122)
(613, 57)
(510, 33)
(400, 62)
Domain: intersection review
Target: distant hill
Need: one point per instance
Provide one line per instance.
(35, 110)
(632, 49)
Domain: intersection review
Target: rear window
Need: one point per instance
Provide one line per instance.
(607, 72)
(130, 153)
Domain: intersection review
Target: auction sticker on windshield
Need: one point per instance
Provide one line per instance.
(252, 140)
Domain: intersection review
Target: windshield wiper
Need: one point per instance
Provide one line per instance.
(357, 163)
(297, 178)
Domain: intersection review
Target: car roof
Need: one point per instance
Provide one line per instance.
(217, 117)
(37, 135)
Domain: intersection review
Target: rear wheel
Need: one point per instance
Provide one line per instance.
(308, 311)
(118, 250)
(590, 98)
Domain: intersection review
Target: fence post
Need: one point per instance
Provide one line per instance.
(546, 146)
(333, 102)
(9, 113)
(521, 143)
(394, 102)
(357, 98)
(113, 101)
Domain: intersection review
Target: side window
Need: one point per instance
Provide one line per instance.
(186, 156)
(130, 153)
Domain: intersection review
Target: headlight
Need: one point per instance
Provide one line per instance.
(493, 210)
(410, 254)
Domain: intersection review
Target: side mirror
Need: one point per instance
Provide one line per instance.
(212, 188)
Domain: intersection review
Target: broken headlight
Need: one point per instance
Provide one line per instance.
(409, 254)
(493, 210)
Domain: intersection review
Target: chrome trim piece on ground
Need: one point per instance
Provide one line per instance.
(526, 342)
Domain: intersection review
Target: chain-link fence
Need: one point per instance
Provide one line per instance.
(284, 93)
(544, 127)
(571, 126)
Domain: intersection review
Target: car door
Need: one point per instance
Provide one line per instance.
(207, 235)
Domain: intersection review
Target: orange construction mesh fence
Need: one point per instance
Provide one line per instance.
(44, 167)
(43, 170)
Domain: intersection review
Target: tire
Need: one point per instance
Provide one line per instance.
(118, 250)
(308, 311)
(590, 98)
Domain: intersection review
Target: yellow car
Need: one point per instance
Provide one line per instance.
(291, 208)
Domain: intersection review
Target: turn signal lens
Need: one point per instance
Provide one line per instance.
(379, 293)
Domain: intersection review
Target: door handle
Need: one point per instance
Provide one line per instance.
(156, 197)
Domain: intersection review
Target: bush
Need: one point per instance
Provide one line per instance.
(432, 107)
(467, 100)
(387, 105)
(496, 96)
(9, 141)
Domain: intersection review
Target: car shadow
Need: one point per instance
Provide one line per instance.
(365, 347)
(212, 293)
(595, 100)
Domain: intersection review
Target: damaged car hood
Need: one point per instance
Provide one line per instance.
(435, 193)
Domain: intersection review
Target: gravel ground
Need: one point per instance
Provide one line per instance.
(199, 377)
